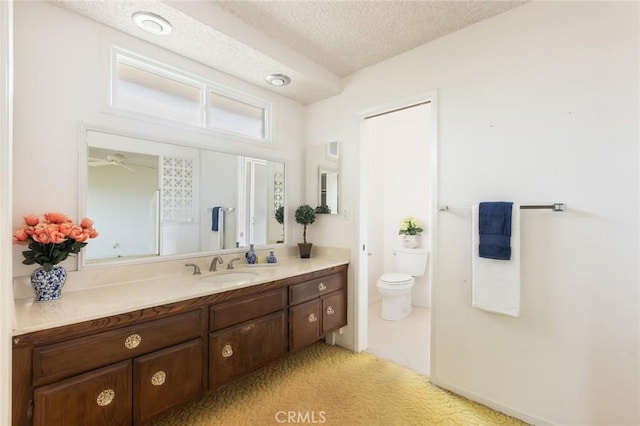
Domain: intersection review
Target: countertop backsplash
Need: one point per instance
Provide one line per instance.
(103, 276)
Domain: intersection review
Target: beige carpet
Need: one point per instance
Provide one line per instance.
(330, 385)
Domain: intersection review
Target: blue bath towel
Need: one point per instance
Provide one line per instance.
(214, 218)
(494, 228)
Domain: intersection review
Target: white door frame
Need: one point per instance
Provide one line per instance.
(361, 309)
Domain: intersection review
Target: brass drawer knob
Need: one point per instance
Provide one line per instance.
(227, 351)
(105, 397)
(312, 318)
(322, 287)
(330, 310)
(158, 378)
(132, 341)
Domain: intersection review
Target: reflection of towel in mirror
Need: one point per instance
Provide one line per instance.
(494, 226)
(215, 215)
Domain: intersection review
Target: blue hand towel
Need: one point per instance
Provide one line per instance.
(214, 218)
(494, 228)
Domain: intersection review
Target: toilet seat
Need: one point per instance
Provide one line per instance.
(396, 278)
(396, 281)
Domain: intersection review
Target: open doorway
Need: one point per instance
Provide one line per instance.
(400, 182)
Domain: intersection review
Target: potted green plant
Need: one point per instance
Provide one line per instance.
(410, 229)
(305, 215)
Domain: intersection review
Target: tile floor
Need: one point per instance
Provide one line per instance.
(405, 342)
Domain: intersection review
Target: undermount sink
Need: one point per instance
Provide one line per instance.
(230, 278)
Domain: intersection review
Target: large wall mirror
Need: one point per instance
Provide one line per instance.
(155, 198)
(323, 177)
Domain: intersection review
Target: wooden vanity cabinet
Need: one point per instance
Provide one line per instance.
(128, 369)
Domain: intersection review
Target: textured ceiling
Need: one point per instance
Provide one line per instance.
(314, 42)
(347, 36)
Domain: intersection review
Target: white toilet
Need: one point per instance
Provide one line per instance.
(395, 287)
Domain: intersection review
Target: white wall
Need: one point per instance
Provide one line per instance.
(399, 186)
(6, 291)
(539, 104)
(60, 68)
(132, 234)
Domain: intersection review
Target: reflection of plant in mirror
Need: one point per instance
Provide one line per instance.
(280, 215)
(323, 209)
(305, 215)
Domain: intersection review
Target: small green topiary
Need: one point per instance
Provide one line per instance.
(305, 215)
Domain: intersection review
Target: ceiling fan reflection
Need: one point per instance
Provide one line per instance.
(116, 159)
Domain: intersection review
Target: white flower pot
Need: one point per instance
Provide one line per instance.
(410, 241)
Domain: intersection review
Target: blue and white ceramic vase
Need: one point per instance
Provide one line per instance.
(48, 285)
(272, 258)
(251, 256)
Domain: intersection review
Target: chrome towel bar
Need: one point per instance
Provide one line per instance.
(556, 207)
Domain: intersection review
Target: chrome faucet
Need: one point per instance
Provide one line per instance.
(214, 263)
(230, 264)
(196, 268)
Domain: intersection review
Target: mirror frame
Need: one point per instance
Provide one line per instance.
(83, 173)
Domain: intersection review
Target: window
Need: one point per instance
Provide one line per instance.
(152, 89)
(229, 115)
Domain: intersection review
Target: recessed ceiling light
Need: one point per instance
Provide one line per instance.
(278, 80)
(152, 23)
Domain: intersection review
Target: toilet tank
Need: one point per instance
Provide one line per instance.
(410, 261)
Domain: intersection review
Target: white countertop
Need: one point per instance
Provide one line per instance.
(98, 302)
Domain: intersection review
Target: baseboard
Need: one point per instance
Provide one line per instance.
(510, 411)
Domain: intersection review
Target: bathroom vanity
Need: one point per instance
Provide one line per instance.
(130, 367)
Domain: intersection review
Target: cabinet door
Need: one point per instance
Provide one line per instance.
(334, 312)
(237, 350)
(166, 378)
(101, 397)
(304, 324)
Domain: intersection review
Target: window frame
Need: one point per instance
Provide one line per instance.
(120, 55)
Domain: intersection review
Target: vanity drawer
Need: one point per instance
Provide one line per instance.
(230, 313)
(64, 359)
(314, 288)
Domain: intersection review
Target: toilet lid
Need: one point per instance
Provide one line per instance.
(396, 278)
